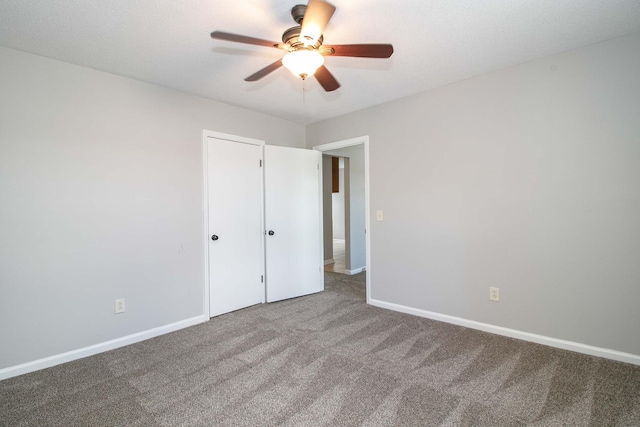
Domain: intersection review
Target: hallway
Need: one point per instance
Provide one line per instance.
(339, 264)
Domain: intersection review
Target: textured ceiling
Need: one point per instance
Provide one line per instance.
(436, 42)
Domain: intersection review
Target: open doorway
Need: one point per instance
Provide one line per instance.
(346, 243)
(336, 222)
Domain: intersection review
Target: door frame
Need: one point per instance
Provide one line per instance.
(364, 141)
(206, 134)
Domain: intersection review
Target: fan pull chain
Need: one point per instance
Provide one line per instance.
(304, 89)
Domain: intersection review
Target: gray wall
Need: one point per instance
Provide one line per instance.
(101, 189)
(527, 179)
(357, 215)
(327, 226)
(338, 207)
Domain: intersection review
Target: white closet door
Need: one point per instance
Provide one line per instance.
(235, 225)
(294, 263)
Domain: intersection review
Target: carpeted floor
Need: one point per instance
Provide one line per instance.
(327, 359)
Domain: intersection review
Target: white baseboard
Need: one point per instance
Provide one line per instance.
(513, 333)
(47, 362)
(356, 271)
(329, 261)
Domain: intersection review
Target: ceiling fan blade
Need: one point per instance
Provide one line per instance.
(362, 50)
(220, 35)
(316, 18)
(326, 79)
(266, 70)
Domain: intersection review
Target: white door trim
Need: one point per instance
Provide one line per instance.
(206, 134)
(364, 140)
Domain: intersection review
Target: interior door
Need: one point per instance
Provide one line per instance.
(236, 261)
(292, 218)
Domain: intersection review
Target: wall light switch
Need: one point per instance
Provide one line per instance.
(379, 216)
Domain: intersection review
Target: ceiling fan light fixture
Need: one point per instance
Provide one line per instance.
(304, 46)
(303, 63)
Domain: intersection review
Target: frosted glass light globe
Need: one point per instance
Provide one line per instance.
(303, 63)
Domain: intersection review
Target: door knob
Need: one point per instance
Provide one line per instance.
(214, 237)
(271, 233)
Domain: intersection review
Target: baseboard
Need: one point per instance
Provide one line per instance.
(513, 333)
(356, 271)
(47, 362)
(329, 261)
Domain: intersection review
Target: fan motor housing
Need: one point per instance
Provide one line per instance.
(291, 38)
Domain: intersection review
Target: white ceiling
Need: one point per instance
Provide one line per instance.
(436, 42)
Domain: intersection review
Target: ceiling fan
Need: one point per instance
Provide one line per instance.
(303, 43)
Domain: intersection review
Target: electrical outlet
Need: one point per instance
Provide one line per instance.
(120, 305)
(494, 294)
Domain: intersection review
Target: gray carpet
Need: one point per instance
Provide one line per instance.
(327, 359)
